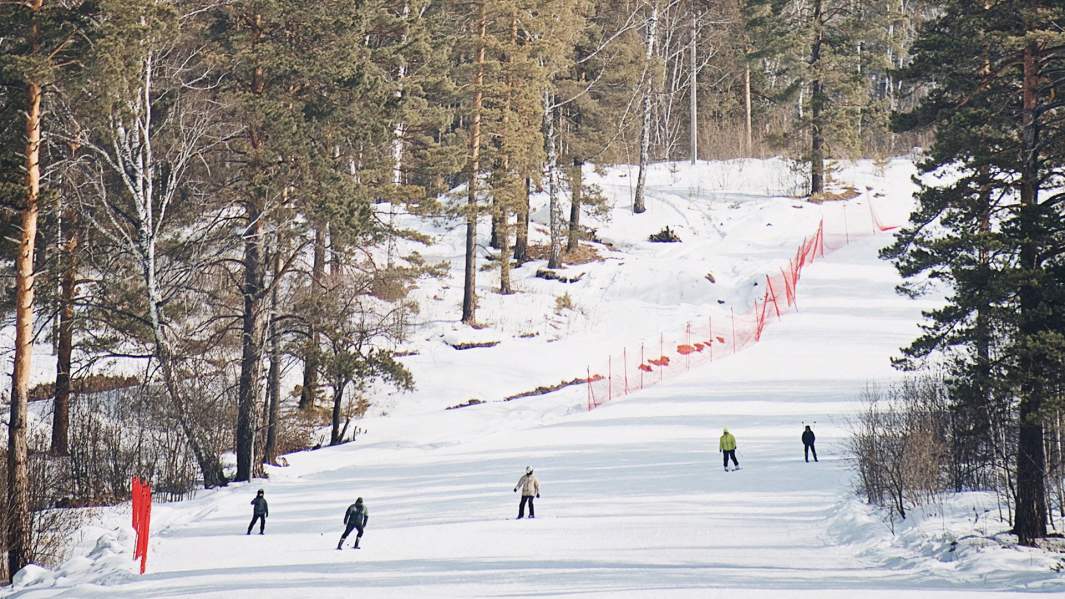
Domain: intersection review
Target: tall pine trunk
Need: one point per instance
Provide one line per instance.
(1031, 507)
(521, 237)
(639, 204)
(68, 290)
(273, 377)
(19, 519)
(817, 107)
(309, 392)
(251, 340)
(501, 226)
(469, 288)
(338, 403)
(749, 139)
(577, 183)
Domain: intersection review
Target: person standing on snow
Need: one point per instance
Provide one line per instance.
(355, 518)
(808, 439)
(259, 512)
(727, 447)
(530, 487)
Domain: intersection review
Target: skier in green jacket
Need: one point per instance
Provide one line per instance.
(727, 447)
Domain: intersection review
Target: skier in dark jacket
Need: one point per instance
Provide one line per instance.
(808, 439)
(259, 512)
(355, 518)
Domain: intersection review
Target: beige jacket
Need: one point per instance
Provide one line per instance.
(529, 485)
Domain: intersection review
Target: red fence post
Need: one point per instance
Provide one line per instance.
(771, 293)
(642, 362)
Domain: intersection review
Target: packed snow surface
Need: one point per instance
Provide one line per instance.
(635, 502)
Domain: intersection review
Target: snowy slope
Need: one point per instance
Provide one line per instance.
(635, 502)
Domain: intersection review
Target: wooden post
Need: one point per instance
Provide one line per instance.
(846, 230)
(591, 401)
(710, 322)
(733, 312)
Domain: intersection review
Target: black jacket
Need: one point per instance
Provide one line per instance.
(357, 515)
(808, 437)
(261, 508)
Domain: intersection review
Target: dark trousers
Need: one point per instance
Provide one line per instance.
(262, 523)
(347, 531)
(807, 449)
(521, 506)
(727, 454)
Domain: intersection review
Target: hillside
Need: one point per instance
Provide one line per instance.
(635, 502)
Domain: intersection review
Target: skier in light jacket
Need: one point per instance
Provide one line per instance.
(530, 488)
(727, 447)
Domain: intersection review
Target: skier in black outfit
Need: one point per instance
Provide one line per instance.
(259, 512)
(808, 439)
(355, 518)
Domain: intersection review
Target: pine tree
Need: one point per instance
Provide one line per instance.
(820, 48)
(39, 40)
(318, 95)
(594, 95)
(994, 70)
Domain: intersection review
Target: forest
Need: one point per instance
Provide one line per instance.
(209, 188)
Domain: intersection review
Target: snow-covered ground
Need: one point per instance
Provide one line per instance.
(635, 501)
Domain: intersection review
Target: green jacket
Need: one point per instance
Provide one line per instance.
(728, 442)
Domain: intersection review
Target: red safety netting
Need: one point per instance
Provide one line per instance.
(716, 335)
(142, 517)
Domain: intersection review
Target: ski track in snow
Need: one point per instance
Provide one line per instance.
(635, 501)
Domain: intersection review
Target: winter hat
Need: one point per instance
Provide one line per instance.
(528, 470)
(260, 492)
(358, 501)
(725, 430)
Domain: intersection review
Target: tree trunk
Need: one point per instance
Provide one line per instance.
(68, 286)
(19, 520)
(251, 340)
(747, 110)
(521, 238)
(1031, 506)
(338, 403)
(639, 204)
(555, 208)
(817, 108)
(577, 183)
(694, 93)
(493, 241)
(469, 288)
(310, 361)
(273, 380)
